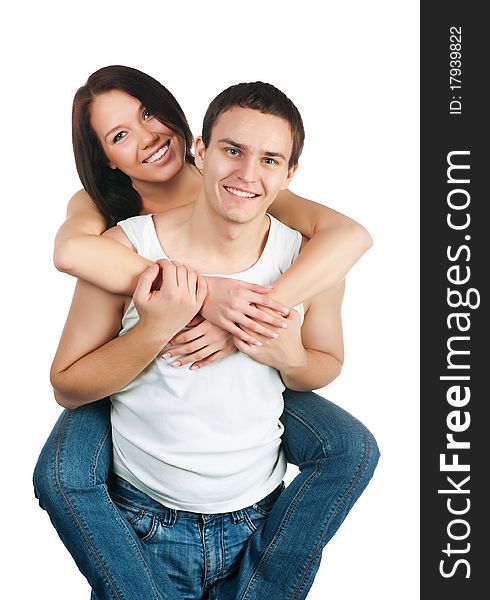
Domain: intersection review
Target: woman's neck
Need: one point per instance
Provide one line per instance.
(182, 189)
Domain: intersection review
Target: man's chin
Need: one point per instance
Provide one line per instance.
(239, 219)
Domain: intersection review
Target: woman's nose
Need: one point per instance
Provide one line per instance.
(147, 137)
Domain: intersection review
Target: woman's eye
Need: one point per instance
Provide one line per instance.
(119, 136)
(147, 114)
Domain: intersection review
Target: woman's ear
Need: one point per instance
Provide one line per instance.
(200, 149)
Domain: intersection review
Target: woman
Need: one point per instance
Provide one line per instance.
(336, 454)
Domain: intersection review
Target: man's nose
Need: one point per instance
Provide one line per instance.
(248, 170)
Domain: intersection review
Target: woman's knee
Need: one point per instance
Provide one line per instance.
(43, 477)
(372, 452)
(354, 445)
(77, 453)
(357, 458)
(319, 429)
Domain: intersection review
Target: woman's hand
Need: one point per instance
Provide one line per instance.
(282, 353)
(236, 305)
(203, 344)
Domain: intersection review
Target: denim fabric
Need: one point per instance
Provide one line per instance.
(70, 481)
(336, 455)
(195, 550)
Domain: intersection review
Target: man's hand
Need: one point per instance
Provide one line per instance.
(201, 345)
(165, 311)
(236, 305)
(282, 353)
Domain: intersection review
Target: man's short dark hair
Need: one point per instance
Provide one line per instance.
(263, 97)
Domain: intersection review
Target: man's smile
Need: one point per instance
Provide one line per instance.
(240, 192)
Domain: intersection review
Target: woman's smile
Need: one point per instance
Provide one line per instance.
(160, 155)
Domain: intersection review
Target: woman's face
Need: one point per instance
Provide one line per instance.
(133, 140)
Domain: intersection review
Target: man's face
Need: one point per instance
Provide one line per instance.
(245, 164)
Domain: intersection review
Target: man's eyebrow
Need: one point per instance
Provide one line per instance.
(232, 143)
(244, 147)
(140, 108)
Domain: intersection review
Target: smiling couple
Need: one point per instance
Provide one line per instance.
(195, 505)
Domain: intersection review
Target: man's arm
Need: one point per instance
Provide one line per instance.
(310, 356)
(91, 362)
(321, 352)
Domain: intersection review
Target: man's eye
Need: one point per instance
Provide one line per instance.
(270, 161)
(232, 151)
(119, 136)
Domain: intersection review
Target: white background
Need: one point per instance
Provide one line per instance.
(352, 70)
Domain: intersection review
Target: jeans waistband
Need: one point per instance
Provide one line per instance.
(125, 493)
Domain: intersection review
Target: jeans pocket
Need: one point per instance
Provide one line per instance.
(257, 514)
(144, 523)
(264, 506)
(253, 519)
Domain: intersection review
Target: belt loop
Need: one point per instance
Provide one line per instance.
(237, 516)
(170, 517)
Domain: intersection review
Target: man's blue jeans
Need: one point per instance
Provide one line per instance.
(336, 456)
(195, 550)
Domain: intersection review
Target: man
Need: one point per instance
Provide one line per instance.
(197, 458)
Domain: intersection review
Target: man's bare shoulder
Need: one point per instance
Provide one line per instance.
(175, 217)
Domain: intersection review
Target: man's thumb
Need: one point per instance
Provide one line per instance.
(143, 287)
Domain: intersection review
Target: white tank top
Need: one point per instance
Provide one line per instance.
(207, 440)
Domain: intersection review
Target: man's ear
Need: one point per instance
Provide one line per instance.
(200, 151)
(289, 176)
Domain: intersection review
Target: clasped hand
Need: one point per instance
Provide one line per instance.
(182, 293)
(167, 308)
(282, 353)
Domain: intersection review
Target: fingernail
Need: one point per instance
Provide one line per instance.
(273, 335)
(258, 344)
(167, 355)
(193, 368)
(177, 363)
(285, 311)
(284, 325)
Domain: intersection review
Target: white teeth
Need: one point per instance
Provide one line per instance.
(158, 154)
(236, 192)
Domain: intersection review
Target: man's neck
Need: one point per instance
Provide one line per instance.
(237, 245)
(197, 235)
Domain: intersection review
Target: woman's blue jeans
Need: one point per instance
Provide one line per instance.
(336, 456)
